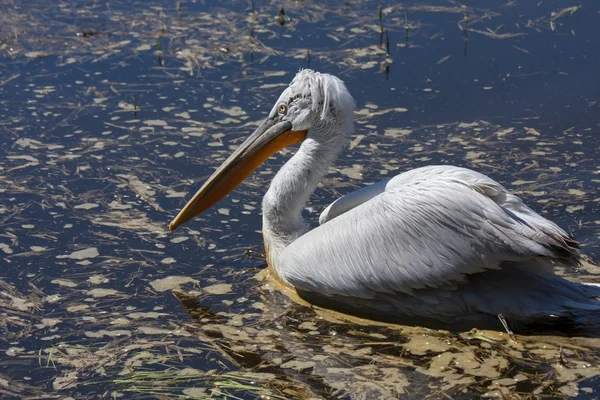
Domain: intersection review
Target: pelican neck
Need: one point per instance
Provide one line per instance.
(289, 191)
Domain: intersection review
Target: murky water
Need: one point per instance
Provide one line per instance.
(112, 113)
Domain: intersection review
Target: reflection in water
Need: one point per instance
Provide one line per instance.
(251, 41)
(284, 340)
(159, 52)
(380, 15)
(406, 26)
(466, 26)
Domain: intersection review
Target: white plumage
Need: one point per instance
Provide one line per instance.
(441, 243)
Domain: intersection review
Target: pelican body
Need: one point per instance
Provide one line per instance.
(438, 243)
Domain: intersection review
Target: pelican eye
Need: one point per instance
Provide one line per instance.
(282, 109)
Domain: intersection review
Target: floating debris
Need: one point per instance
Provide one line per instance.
(90, 252)
(171, 283)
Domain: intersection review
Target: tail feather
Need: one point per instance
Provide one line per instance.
(547, 233)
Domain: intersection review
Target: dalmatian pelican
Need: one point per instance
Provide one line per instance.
(438, 243)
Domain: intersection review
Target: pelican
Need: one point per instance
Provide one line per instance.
(437, 244)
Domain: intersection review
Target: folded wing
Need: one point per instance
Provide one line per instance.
(427, 228)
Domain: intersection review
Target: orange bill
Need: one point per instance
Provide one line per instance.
(268, 139)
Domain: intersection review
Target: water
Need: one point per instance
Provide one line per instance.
(112, 113)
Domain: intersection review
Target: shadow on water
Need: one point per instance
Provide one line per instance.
(111, 113)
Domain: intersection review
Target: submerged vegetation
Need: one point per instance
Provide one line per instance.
(112, 111)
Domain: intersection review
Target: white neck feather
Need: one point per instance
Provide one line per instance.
(290, 189)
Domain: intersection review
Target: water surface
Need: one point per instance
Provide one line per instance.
(113, 113)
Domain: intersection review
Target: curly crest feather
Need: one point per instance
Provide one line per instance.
(326, 91)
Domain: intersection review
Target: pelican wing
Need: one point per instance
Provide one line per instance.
(475, 180)
(429, 227)
(351, 200)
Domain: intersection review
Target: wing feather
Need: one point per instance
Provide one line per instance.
(351, 200)
(428, 228)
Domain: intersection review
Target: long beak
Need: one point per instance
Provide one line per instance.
(266, 140)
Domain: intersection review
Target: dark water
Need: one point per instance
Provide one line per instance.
(112, 113)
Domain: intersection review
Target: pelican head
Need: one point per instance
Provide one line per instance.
(314, 107)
